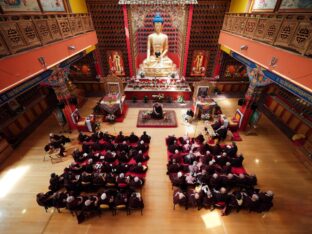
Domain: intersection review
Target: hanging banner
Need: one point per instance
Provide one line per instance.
(291, 87)
(42, 77)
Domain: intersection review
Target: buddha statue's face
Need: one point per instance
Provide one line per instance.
(158, 27)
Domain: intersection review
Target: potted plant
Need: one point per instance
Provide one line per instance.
(134, 99)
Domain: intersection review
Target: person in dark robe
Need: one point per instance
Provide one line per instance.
(55, 184)
(265, 200)
(122, 168)
(107, 137)
(110, 157)
(215, 181)
(171, 140)
(178, 180)
(136, 182)
(194, 199)
(237, 161)
(173, 147)
(45, 199)
(123, 147)
(138, 168)
(200, 139)
(141, 146)
(74, 203)
(123, 157)
(146, 138)
(140, 157)
(99, 180)
(120, 138)
(231, 150)
(180, 198)
(133, 138)
(189, 158)
(221, 133)
(221, 159)
(173, 167)
(157, 112)
(177, 156)
(136, 201)
(76, 154)
(227, 168)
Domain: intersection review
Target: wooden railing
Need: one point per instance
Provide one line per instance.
(289, 31)
(22, 32)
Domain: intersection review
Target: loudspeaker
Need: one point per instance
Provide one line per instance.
(241, 101)
(60, 105)
(253, 106)
(73, 101)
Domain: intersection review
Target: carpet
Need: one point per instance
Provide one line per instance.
(236, 136)
(169, 121)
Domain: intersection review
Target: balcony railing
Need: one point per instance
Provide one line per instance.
(23, 32)
(288, 31)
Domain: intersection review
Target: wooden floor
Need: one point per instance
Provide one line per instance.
(270, 155)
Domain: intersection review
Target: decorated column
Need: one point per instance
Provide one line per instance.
(257, 79)
(58, 82)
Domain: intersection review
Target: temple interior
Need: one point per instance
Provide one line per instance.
(140, 116)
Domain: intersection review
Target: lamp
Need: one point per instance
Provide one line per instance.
(72, 47)
(42, 61)
(273, 61)
(244, 47)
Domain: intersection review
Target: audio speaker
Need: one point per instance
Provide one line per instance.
(73, 101)
(241, 101)
(60, 105)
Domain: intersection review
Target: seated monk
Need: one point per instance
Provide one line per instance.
(146, 138)
(135, 201)
(138, 168)
(133, 138)
(141, 146)
(136, 182)
(157, 111)
(171, 140)
(179, 198)
(120, 138)
(140, 157)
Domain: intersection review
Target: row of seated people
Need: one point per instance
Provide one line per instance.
(83, 206)
(122, 166)
(105, 136)
(193, 163)
(203, 197)
(87, 182)
(56, 142)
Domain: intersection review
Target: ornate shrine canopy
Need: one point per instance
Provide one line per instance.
(157, 2)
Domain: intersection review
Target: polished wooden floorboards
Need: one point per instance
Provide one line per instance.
(270, 155)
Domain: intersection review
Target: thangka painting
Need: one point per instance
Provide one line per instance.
(52, 5)
(235, 71)
(296, 5)
(20, 5)
(264, 5)
(199, 63)
(116, 64)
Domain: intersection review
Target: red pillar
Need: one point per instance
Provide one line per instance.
(216, 70)
(187, 39)
(98, 62)
(130, 60)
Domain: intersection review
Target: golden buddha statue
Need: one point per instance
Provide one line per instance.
(157, 63)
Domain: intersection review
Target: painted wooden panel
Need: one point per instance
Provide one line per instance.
(273, 106)
(286, 117)
(14, 129)
(303, 129)
(294, 123)
(279, 111)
